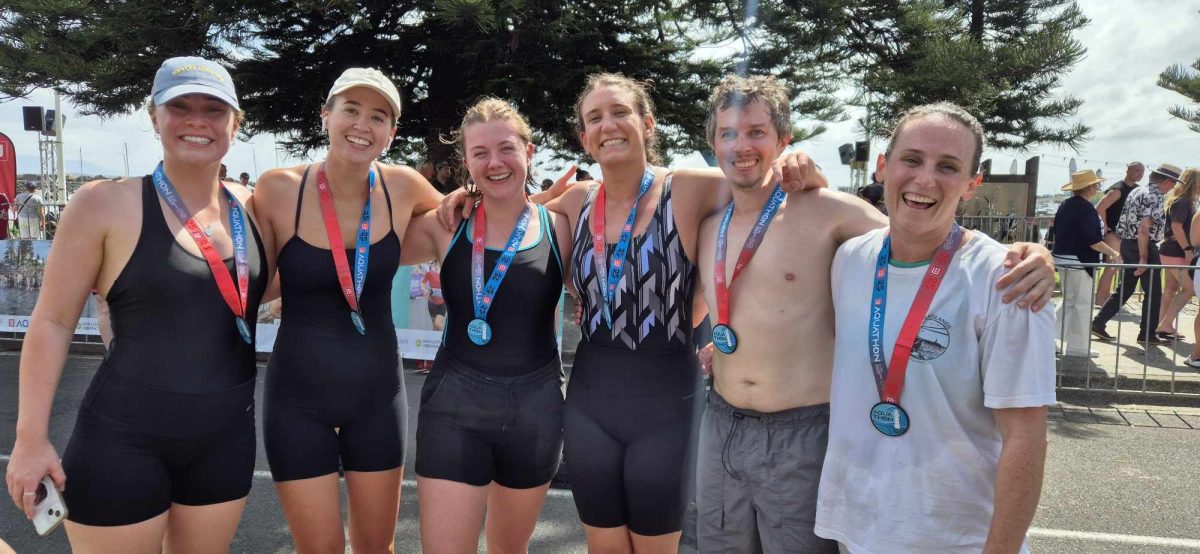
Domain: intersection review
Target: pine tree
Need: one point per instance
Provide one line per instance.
(1185, 81)
(442, 54)
(1000, 59)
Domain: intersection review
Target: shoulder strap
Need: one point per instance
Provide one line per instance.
(387, 198)
(548, 234)
(300, 199)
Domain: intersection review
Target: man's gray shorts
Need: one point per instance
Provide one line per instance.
(757, 479)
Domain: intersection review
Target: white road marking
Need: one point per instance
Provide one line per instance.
(1114, 538)
(1036, 532)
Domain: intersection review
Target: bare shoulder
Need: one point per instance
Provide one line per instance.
(279, 179)
(702, 175)
(107, 196)
(400, 176)
(570, 203)
(847, 215)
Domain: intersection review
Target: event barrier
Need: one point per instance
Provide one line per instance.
(1125, 364)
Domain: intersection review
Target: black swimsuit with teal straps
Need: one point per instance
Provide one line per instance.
(331, 393)
(634, 387)
(493, 413)
(169, 416)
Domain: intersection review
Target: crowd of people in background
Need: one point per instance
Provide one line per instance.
(1136, 225)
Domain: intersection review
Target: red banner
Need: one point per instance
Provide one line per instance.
(8, 180)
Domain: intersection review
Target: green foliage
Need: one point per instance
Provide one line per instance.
(1000, 59)
(1185, 81)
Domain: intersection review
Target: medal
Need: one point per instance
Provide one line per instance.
(235, 296)
(723, 336)
(479, 332)
(889, 419)
(357, 320)
(483, 295)
(612, 279)
(352, 286)
(887, 416)
(243, 328)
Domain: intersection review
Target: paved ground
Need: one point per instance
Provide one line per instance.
(1119, 479)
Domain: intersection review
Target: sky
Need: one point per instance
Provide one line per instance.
(1128, 44)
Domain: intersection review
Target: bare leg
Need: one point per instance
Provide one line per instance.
(142, 537)
(451, 515)
(658, 544)
(314, 514)
(374, 504)
(609, 540)
(202, 529)
(511, 517)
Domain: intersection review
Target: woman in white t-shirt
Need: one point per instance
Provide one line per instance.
(941, 448)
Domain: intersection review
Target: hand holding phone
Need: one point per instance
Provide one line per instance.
(49, 510)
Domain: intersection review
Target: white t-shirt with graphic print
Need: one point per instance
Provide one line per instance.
(931, 489)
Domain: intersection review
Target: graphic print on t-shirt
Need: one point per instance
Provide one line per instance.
(932, 339)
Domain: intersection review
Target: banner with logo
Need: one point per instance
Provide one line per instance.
(21, 265)
(418, 308)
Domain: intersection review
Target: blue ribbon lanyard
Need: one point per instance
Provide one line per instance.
(483, 295)
(351, 286)
(235, 296)
(889, 384)
(608, 286)
(723, 336)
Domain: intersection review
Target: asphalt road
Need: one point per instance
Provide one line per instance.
(1117, 481)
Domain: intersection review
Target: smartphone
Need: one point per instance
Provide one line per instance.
(49, 510)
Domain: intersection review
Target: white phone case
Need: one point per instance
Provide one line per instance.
(50, 510)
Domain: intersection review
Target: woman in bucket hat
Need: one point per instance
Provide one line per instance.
(162, 454)
(1078, 240)
(334, 391)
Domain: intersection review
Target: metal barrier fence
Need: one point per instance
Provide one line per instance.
(1126, 363)
(1008, 228)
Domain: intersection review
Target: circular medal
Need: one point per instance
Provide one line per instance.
(479, 331)
(889, 419)
(356, 319)
(724, 338)
(244, 329)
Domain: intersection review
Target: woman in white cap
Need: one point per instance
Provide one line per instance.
(334, 392)
(1078, 239)
(162, 454)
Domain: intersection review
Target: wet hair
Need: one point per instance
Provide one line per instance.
(641, 103)
(946, 110)
(738, 92)
(238, 115)
(486, 110)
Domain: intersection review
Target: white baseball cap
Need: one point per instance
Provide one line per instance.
(371, 78)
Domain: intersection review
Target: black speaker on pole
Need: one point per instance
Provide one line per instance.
(861, 151)
(35, 118)
(846, 153)
(50, 130)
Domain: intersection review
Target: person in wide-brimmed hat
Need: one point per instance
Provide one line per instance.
(1078, 239)
(1140, 228)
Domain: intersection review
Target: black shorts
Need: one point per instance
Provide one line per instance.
(474, 428)
(363, 434)
(629, 426)
(135, 451)
(436, 309)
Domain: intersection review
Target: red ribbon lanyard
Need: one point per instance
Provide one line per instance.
(894, 382)
(336, 245)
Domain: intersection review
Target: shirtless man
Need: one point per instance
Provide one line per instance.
(764, 433)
